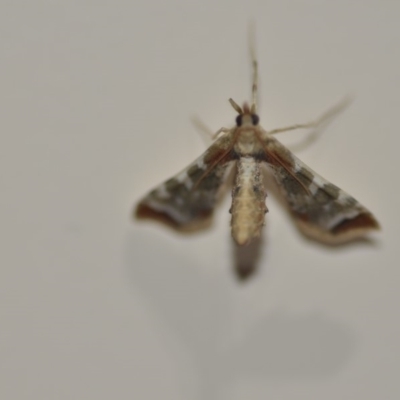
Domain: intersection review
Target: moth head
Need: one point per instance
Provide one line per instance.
(247, 116)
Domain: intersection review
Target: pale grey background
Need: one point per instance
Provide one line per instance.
(96, 100)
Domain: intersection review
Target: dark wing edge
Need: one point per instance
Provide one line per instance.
(321, 210)
(186, 201)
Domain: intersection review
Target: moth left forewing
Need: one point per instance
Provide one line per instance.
(187, 200)
(320, 209)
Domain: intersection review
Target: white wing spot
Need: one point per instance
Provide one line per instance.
(200, 164)
(316, 184)
(162, 192)
(168, 209)
(297, 166)
(184, 178)
(338, 218)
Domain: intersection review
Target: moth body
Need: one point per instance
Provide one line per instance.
(248, 201)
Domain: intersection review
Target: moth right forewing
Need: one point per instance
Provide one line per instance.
(321, 210)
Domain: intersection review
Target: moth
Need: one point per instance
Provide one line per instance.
(320, 209)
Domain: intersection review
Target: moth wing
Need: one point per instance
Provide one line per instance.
(320, 209)
(187, 200)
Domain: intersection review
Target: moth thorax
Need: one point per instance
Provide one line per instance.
(247, 143)
(248, 201)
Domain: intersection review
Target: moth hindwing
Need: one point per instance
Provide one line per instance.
(320, 209)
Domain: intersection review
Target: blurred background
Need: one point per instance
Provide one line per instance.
(96, 104)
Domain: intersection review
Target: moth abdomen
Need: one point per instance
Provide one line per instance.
(248, 201)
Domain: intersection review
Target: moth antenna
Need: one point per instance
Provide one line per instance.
(254, 63)
(236, 106)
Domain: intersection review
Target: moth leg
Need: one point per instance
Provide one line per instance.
(325, 118)
(221, 130)
(205, 131)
